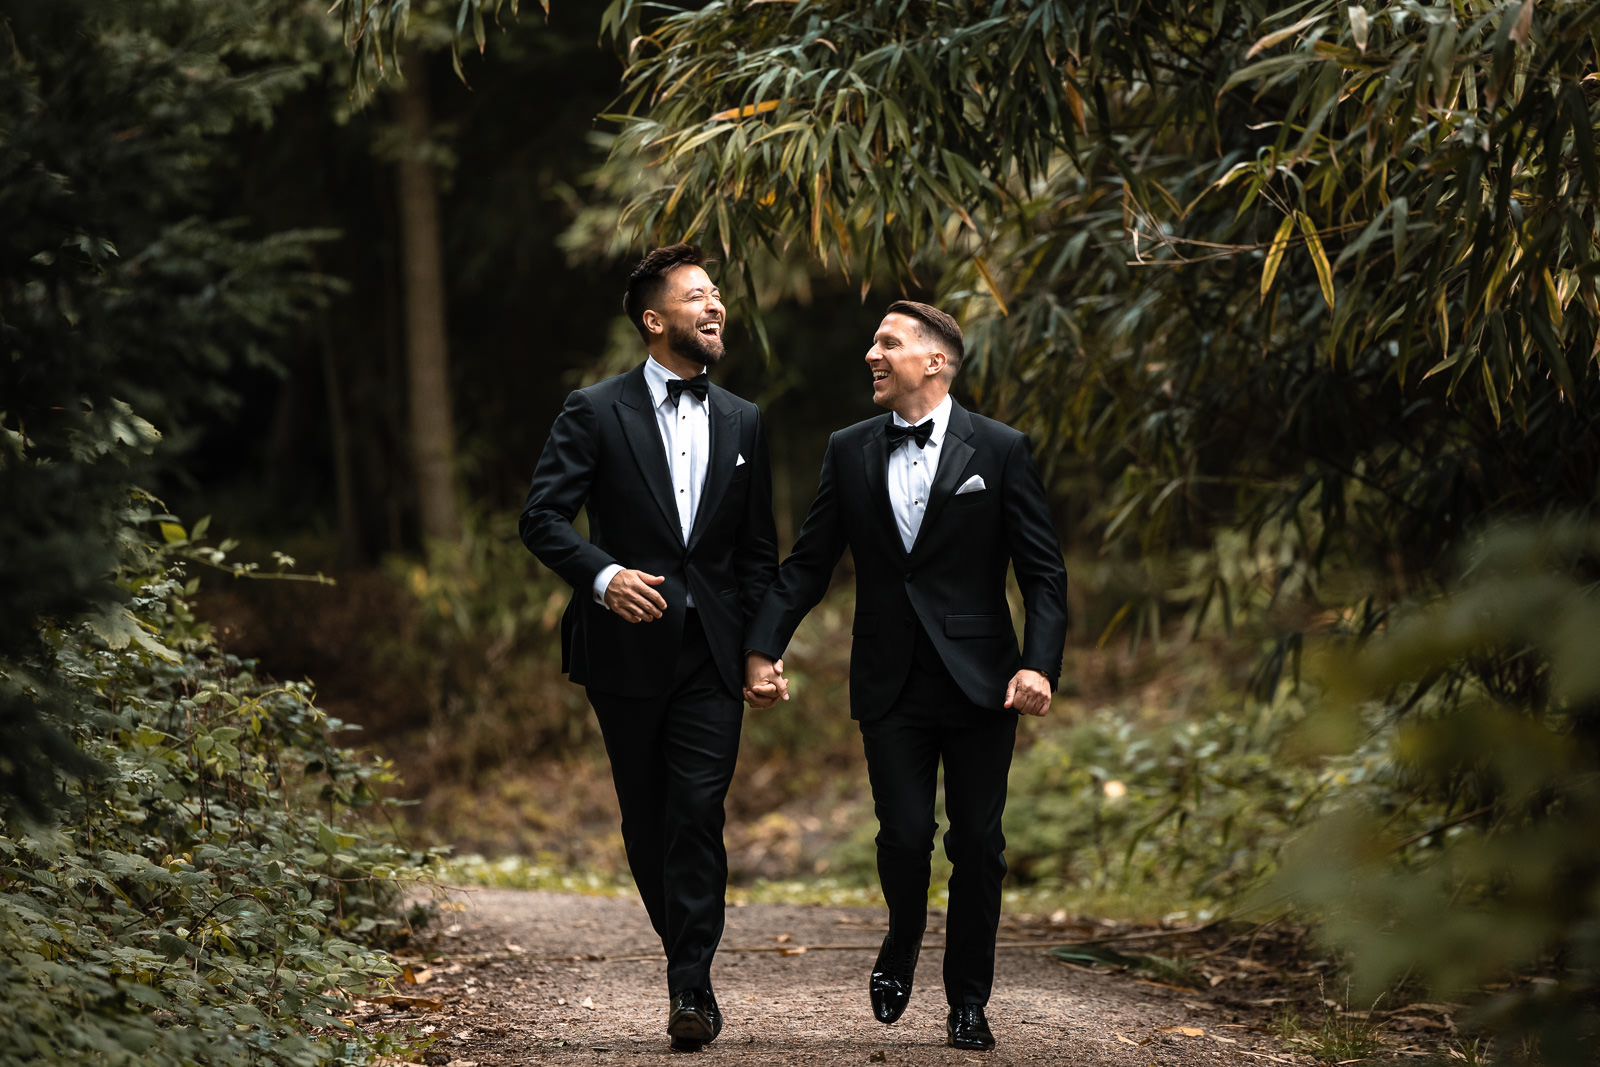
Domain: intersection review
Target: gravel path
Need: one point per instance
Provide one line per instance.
(517, 977)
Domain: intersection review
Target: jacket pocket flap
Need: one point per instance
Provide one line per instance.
(976, 625)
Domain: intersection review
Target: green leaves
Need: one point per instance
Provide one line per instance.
(203, 889)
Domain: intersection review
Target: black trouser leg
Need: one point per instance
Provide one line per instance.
(903, 768)
(671, 761)
(977, 760)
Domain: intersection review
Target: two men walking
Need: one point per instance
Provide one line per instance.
(678, 580)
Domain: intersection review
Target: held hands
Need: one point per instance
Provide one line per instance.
(1029, 692)
(764, 683)
(632, 596)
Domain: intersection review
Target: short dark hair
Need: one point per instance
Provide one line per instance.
(937, 326)
(650, 277)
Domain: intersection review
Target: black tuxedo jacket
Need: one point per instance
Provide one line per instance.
(953, 581)
(605, 454)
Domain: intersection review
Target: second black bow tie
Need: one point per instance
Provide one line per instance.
(921, 433)
(699, 385)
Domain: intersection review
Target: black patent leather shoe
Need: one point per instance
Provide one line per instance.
(890, 985)
(967, 1028)
(693, 1020)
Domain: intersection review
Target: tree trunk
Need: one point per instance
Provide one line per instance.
(427, 349)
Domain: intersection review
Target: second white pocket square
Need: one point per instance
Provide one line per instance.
(973, 484)
(740, 461)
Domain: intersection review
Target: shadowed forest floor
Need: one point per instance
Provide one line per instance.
(512, 977)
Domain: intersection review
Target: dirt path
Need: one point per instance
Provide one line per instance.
(532, 977)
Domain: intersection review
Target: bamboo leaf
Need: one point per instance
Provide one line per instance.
(1280, 242)
(1279, 36)
(1319, 257)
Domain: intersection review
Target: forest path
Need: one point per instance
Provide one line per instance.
(550, 978)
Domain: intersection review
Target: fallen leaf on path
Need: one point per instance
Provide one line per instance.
(401, 1000)
(794, 950)
(781, 938)
(588, 1002)
(415, 975)
(1130, 1041)
(1186, 1031)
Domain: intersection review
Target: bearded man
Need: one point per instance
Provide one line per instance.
(674, 475)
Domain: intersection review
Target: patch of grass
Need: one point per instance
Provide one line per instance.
(1342, 1035)
(542, 872)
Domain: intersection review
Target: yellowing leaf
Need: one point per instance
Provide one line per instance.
(1186, 1031)
(1319, 256)
(1280, 242)
(1278, 36)
(991, 284)
(748, 111)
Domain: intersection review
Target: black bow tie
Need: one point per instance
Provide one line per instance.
(699, 385)
(920, 433)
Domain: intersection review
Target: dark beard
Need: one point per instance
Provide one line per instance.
(691, 344)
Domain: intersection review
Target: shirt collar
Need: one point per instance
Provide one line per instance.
(940, 416)
(655, 379)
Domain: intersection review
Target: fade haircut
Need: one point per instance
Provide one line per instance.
(649, 279)
(937, 327)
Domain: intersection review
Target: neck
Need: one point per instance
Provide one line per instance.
(683, 368)
(916, 408)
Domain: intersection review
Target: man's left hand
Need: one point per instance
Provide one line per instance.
(1029, 693)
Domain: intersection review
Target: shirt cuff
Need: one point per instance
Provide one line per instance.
(602, 581)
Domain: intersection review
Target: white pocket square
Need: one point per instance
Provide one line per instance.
(740, 461)
(973, 484)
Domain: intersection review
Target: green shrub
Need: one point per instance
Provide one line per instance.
(207, 896)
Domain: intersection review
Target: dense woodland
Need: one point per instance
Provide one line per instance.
(1297, 301)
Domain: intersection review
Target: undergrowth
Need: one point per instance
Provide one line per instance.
(215, 889)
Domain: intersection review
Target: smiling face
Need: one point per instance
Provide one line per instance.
(686, 324)
(907, 370)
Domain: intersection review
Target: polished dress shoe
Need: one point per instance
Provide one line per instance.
(890, 985)
(967, 1028)
(693, 1019)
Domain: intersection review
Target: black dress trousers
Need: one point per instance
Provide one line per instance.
(932, 722)
(672, 758)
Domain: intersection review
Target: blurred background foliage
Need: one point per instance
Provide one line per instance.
(1297, 302)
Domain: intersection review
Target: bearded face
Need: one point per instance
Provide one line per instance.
(702, 342)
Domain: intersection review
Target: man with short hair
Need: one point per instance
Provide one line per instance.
(674, 475)
(933, 503)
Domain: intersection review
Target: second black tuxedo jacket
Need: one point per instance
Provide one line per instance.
(605, 454)
(953, 581)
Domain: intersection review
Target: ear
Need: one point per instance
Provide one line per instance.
(937, 361)
(652, 322)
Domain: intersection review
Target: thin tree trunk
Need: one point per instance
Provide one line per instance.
(339, 432)
(427, 350)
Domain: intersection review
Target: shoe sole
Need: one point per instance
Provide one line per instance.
(691, 1027)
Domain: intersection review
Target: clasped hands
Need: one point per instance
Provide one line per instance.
(764, 683)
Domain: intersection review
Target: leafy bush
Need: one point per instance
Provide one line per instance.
(203, 893)
(1184, 811)
(1491, 698)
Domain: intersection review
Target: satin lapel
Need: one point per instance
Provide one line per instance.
(875, 457)
(638, 419)
(955, 454)
(724, 431)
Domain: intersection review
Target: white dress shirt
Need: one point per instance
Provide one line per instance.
(911, 471)
(686, 436)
